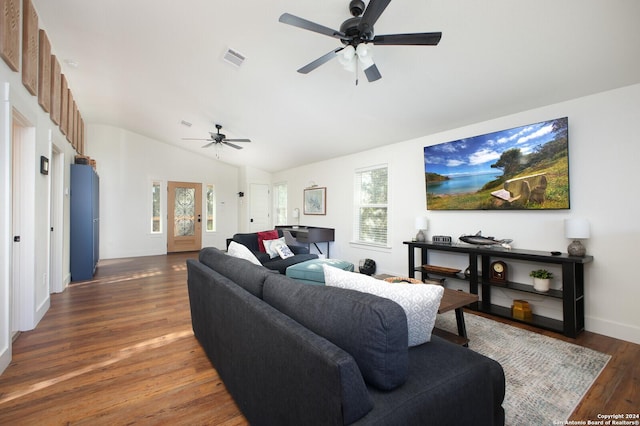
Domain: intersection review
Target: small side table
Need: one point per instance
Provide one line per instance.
(452, 299)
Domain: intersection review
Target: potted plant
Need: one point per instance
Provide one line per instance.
(541, 279)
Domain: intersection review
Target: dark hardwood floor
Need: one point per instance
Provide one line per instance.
(119, 349)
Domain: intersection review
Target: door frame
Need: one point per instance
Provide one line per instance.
(6, 242)
(57, 282)
(178, 244)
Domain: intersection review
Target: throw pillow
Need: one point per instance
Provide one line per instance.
(271, 246)
(373, 330)
(242, 252)
(419, 301)
(266, 235)
(284, 252)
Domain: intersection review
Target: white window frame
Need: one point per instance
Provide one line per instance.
(277, 188)
(160, 185)
(358, 205)
(206, 208)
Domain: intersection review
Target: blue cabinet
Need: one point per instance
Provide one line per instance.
(85, 221)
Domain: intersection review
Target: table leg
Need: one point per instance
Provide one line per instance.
(462, 329)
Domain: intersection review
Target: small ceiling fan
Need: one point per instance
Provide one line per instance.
(219, 138)
(356, 33)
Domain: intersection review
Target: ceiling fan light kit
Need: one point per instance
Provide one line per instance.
(356, 33)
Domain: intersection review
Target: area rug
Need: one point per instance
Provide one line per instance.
(546, 378)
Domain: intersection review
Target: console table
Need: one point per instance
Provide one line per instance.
(572, 293)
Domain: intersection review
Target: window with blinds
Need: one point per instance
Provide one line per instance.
(370, 205)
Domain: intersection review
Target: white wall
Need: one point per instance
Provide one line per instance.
(127, 164)
(603, 154)
(34, 247)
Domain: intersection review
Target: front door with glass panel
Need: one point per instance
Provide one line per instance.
(184, 205)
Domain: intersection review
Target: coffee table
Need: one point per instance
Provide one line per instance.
(451, 300)
(455, 300)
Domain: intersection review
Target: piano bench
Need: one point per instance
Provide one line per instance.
(311, 272)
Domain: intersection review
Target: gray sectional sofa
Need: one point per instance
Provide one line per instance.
(296, 354)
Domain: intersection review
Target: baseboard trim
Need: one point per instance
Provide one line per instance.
(628, 332)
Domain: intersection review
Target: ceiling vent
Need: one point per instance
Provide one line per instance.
(234, 57)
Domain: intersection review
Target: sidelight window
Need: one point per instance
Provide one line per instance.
(211, 208)
(156, 222)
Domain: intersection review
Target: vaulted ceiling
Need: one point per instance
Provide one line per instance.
(147, 65)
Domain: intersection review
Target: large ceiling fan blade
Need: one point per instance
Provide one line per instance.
(209, 144)
(372, 73)
(321, 60)
(371, 14)
(236, 140)
(287, 18)
(414, 39)
(196, 139)
(230, 144)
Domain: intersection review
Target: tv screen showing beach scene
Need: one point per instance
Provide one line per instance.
(524, 168)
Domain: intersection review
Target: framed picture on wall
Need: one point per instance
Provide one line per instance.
(315, 200)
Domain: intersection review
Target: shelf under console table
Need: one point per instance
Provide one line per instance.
(572, 293)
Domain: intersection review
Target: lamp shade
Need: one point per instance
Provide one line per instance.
(576, 228)
(422, 223)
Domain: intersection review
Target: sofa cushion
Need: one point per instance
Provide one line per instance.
(266, 235)
(271, 246)
(284, 252)
(446, 385)
(247, 275)
(242, 252)
(370, 328)
(420, 302)
(249, 240)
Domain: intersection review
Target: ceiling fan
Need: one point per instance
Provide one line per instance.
(219, 138)
(356, 33)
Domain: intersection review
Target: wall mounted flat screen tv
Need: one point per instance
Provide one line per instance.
(524, 168)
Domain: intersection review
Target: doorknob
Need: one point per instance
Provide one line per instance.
(16, 239)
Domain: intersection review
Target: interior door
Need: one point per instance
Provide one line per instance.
(259, 208)
(184, 205)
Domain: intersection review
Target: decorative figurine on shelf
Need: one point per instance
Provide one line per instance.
(479, 240)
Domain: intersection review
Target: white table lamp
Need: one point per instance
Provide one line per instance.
(422, 224)
(576, 229)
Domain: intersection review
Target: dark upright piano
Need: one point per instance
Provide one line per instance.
(311, 235)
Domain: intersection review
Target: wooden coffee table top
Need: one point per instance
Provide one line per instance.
(453, 299)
